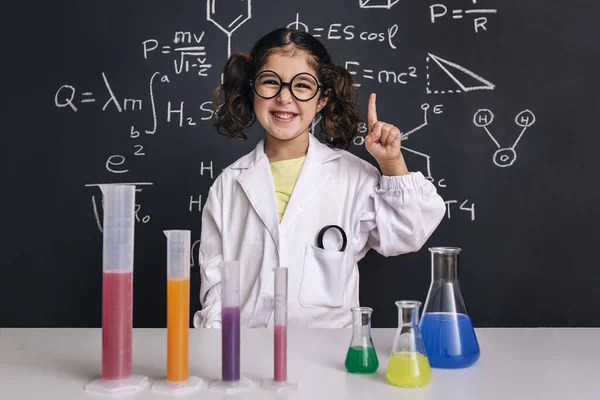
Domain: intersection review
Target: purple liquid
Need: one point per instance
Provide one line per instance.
(230, 343)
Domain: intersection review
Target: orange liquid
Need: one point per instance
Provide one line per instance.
(178, 310)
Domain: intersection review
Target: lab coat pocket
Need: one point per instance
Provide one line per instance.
(324, 278)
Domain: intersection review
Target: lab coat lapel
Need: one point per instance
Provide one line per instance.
(257, 183)
(310, 181)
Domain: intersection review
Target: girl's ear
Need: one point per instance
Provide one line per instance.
(323, 100)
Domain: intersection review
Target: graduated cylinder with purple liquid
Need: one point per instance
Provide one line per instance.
(230, 321)
(230, 343)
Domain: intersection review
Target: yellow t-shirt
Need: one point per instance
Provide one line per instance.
(285, 174)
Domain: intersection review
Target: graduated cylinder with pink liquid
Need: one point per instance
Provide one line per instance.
(117, 297)
(280, 382)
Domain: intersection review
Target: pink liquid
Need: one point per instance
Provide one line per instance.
(280, 353)
(116, 325)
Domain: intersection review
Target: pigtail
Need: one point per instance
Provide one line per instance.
(234, 113)
(340, 116)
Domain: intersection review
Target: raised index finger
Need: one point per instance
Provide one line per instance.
(371, 111)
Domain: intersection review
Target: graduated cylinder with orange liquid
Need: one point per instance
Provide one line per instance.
(178, 311)
(178, 380)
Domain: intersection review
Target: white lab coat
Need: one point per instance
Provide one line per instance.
(393, 215)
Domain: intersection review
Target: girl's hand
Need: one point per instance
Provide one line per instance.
(383, 143)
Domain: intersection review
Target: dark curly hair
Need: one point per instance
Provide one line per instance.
(234, 114)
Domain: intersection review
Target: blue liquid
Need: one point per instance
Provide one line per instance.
(449, 340)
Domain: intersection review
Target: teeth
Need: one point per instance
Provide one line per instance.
(284, 115)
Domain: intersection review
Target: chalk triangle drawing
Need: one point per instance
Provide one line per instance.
(451, 69)
(377, 3)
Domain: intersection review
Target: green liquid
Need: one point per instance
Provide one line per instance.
(361, 360)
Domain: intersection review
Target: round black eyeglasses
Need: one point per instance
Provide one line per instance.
(268, 84)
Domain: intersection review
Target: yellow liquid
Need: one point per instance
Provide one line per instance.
(408, 370)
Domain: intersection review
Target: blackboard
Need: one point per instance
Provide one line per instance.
(497, 101)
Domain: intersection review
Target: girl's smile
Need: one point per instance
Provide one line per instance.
(283, 117)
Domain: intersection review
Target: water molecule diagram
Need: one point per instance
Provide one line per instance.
(504, 156)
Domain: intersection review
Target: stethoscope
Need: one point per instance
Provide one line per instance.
(332, 237)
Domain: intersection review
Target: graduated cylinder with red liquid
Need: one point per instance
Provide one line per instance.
(280, 382)
(117, 296)
(178, 381)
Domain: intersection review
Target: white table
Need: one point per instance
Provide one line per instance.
(532, 363)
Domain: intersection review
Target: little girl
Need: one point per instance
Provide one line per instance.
(268, 208)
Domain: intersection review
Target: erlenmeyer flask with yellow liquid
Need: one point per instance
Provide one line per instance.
(408, 366)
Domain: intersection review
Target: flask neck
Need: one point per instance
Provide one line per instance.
(408, 338)
(444, 266)
(408, 313)
(361, 326)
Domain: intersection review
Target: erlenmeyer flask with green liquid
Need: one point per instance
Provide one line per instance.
(361, 357)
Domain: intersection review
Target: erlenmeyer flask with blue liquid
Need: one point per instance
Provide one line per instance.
(445, 326)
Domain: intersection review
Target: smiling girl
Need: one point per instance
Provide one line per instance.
(268, 207)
